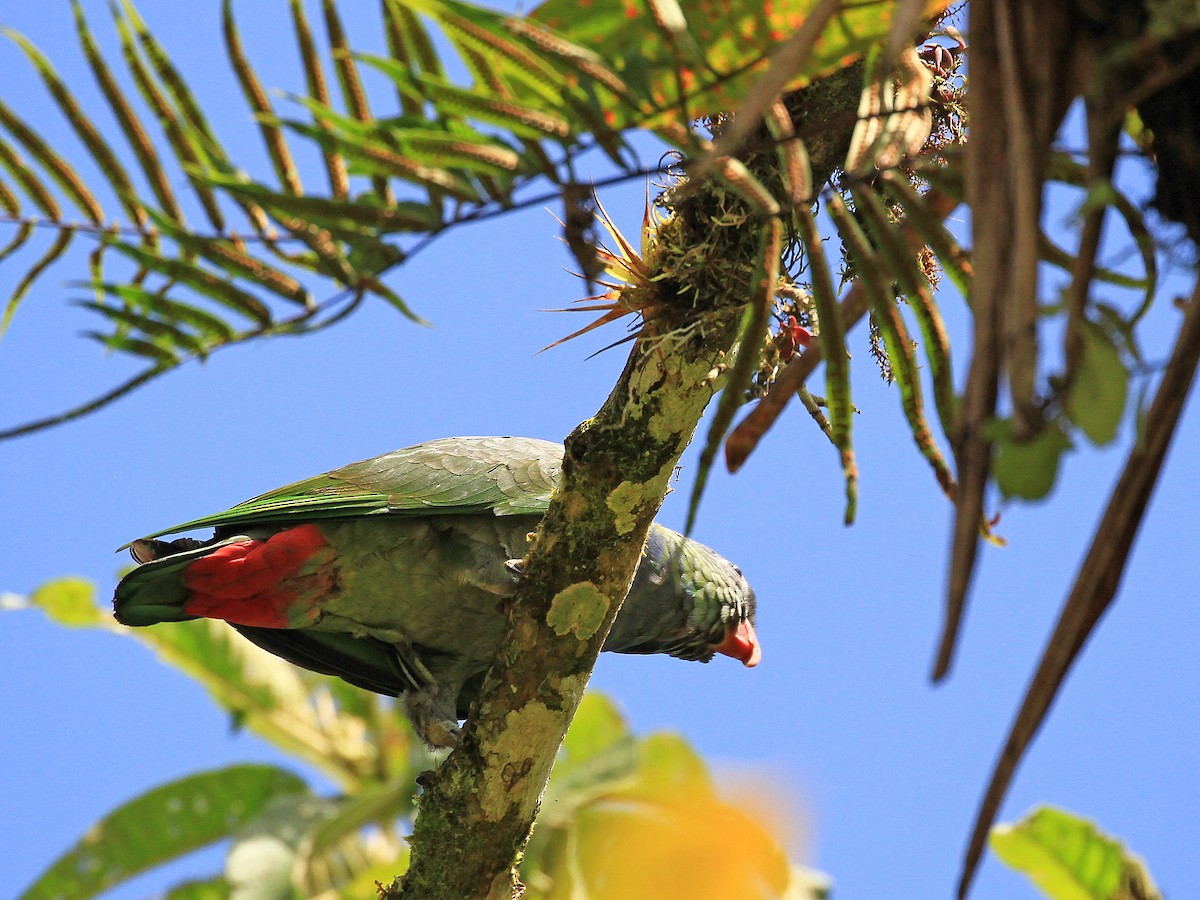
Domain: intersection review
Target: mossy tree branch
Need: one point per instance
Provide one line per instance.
(478, 808)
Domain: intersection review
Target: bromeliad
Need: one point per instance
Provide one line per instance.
(389, 573)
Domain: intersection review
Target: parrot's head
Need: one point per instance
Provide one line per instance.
(741, 640)
(688, 601)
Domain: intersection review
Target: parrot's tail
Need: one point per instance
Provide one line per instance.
(155, 592)
(270, 581)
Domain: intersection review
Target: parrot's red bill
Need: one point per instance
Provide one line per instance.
(742, 644)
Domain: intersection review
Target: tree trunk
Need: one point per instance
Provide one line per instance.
(477, 809)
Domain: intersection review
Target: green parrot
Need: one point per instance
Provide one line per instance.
(390, 573)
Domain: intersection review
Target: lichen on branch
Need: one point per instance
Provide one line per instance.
(477, 809)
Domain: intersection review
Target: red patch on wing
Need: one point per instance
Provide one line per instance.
(269, 584)
(742, 644)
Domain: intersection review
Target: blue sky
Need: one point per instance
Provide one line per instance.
(881, 770)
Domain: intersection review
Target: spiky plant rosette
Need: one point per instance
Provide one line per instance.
(632, 291)
(695, 259)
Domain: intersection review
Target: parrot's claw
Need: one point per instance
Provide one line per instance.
(515, 568)
(431, 710)
(441, 735)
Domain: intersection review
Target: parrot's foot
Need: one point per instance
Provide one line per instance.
(440, 735)
(516, 569)
(431, 710)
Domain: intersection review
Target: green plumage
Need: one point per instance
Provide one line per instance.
(390, 572)
(451, 476)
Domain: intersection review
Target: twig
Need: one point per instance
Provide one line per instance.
(1099, 576)
(745, 437)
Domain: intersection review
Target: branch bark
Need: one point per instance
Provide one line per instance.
(477, 809)
(1023, 79)
(1099, 576)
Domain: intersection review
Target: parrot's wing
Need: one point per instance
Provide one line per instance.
(363, 661)
(464, 475)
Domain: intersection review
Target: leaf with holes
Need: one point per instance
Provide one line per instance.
(1027, 469)
(712, 53)
(1069, 858)
(163, 824)
(1096, 398)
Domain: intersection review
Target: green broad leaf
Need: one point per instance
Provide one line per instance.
(262, 860)
(136, 347)
(1069, 858)
(364, 884)
(200, 280)
(1096, 398)
(276, 700)
(669, 767)
(715, 51)
(304, 846)
(597, 727)
(208, 889)
(807, 884)
(164, 336)
(1027, 469)
(202, 321)
(265, 694)
(69, 601)
(599, 756)
(161, 825)
(339, 829)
